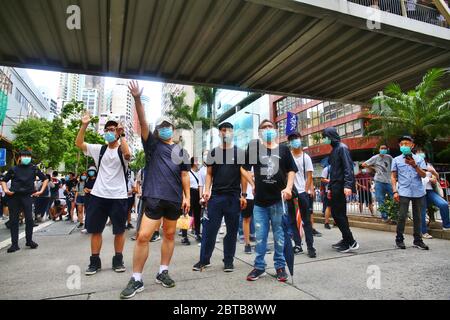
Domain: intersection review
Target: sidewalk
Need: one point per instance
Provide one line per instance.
(405, 274)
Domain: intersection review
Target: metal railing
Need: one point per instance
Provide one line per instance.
(363, 202)
(407, 8)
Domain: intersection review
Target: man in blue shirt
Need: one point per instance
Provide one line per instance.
(408, 171)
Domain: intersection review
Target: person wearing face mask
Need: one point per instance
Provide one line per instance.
(381, 164)
(166, 195)
(432, 197)
(408, 170)
(304, 188)
(88, 186)
(80, 197)
(22, 177)
(108, 197)
(224, 194)
(341, 185)
(274, 169)
(71, 183)
(363, 186)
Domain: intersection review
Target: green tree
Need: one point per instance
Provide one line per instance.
(207, 95)
(184, 115)
(138, 162)
(423, 112)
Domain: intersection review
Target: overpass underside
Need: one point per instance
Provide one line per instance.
(313, 48)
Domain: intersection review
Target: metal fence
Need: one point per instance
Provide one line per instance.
(407, 8)
(364, 203)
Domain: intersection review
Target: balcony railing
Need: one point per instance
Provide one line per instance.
(407, 8)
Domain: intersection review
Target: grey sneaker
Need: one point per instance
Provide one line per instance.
(132, 288)
(164, 279)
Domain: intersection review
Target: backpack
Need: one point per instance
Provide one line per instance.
(119, 151)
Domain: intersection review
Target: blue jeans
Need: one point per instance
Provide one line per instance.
(433, 198)
(263, 216)
(381, 189)
(220, 206)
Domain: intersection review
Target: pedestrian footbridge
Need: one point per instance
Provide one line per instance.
(328, 49)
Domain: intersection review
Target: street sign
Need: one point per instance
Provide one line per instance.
(2, 157)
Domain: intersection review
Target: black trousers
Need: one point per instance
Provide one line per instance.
(304, 202)
(196, 210)
(339, 212)
(20, 203)
(40, 206)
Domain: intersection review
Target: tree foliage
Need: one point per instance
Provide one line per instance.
(423, 113)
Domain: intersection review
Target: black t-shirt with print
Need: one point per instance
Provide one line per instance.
(271, 167)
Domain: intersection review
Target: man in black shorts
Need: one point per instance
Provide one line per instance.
(108, 197)
(166, 195)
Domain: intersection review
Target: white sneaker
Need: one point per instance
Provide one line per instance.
(427, 236)
(84, 231)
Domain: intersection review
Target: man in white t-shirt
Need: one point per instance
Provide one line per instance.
(305, 188)
(109, 197)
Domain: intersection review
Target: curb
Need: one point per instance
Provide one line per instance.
(6, 243)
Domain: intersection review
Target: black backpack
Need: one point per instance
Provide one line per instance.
(119, 151)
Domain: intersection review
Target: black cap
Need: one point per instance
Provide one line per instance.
(225, 125)
(111, 123)
(402, 138)
(25, 153)
(294, 135)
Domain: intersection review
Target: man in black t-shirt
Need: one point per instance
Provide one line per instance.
(224, 198)
(274, 169)
(21, 192)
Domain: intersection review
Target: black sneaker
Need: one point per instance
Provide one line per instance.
(338, 245)
(13, 249)
(164, 279)
(80, 226)
(345, 248)
(298, 250)
(132, 288)
(185, 241)
(248, 249)
(94, 266)
(420, 245)
(228, 267)
(316, 233)
(200, 266)
(155, 237)
(400, 244)
(312, 253)
(255, 274)
(327, 226)
(117, 263)
(130, 226)
(282, 275)
(32, 245)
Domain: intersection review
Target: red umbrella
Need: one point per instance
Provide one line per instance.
(298, 218)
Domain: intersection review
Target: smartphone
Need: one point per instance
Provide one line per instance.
(408, 156)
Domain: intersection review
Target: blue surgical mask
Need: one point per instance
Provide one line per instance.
(296, 143)
(83, 178)
(109, 137)
(383, 151)
(91, 173)
(326, 140)
(405, 150)
(421, 154)
(269, 135)
(165, 133)
(25, 160)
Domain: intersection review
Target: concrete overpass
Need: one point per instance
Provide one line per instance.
(317, 48)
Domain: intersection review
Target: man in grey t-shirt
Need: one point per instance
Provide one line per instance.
(381, 164)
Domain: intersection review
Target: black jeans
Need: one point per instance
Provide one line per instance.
(304, 202)
(417, 204)
(20, 203)
(196, 210)
(339, 212)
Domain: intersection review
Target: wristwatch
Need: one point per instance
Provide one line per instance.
(244, 195)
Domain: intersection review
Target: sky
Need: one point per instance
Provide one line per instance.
(49, 80)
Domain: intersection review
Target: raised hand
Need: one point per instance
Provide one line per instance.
(135, 91)
(86, 118)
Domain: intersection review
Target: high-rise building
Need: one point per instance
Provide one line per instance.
(70, 88)
(175, 89)
(91, 99)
